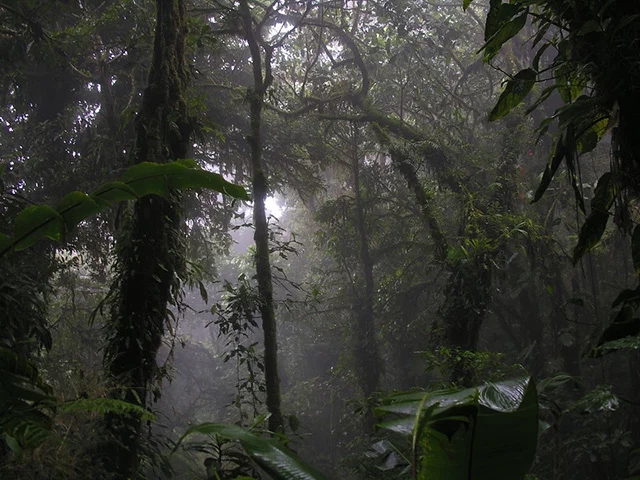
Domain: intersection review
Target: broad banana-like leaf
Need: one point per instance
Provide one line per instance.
(41, 221)
(479, 433)
(274, 458)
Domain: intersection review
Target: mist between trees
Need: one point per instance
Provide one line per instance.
(304, 240)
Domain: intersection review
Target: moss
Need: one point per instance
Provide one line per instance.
(151, 249)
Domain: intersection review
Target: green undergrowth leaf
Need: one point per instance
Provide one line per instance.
(274, 458)
(479, 433)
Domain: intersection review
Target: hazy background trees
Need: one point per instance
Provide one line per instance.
(393, 219)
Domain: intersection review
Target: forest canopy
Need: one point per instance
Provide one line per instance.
(303, 240)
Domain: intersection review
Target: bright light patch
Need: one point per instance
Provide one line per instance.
(272, 207)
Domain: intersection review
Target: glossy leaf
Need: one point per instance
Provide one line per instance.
(506, 430)
(478, 433)
(514, 93)
(465, 4)
(409, 403)
(275, 459)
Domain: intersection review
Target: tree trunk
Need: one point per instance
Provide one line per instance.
(150, 252)
(261, 83)
(367, 356)
(467, 291)
(463, 310)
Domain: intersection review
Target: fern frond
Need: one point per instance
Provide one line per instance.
(106, 405)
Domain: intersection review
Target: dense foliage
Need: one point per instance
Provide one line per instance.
(373, 233)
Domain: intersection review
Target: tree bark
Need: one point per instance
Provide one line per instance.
(150, 252)
(261, 82)
(367, 356)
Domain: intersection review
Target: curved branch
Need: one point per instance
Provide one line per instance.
(350, 42)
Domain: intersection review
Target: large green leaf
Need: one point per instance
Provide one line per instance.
(479, 433)
(499, 14)
(114, 192)
(275, 459)
(504, 21)
(514, 93)
(76, 206)
(36, 222)
(506, 430)
(596, 223)
(41, 221)
(559, 154)
(153, 178)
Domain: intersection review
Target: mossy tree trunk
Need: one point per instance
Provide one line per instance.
(150, 250)
(467, 290)
(261, 83)
(366, 349)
